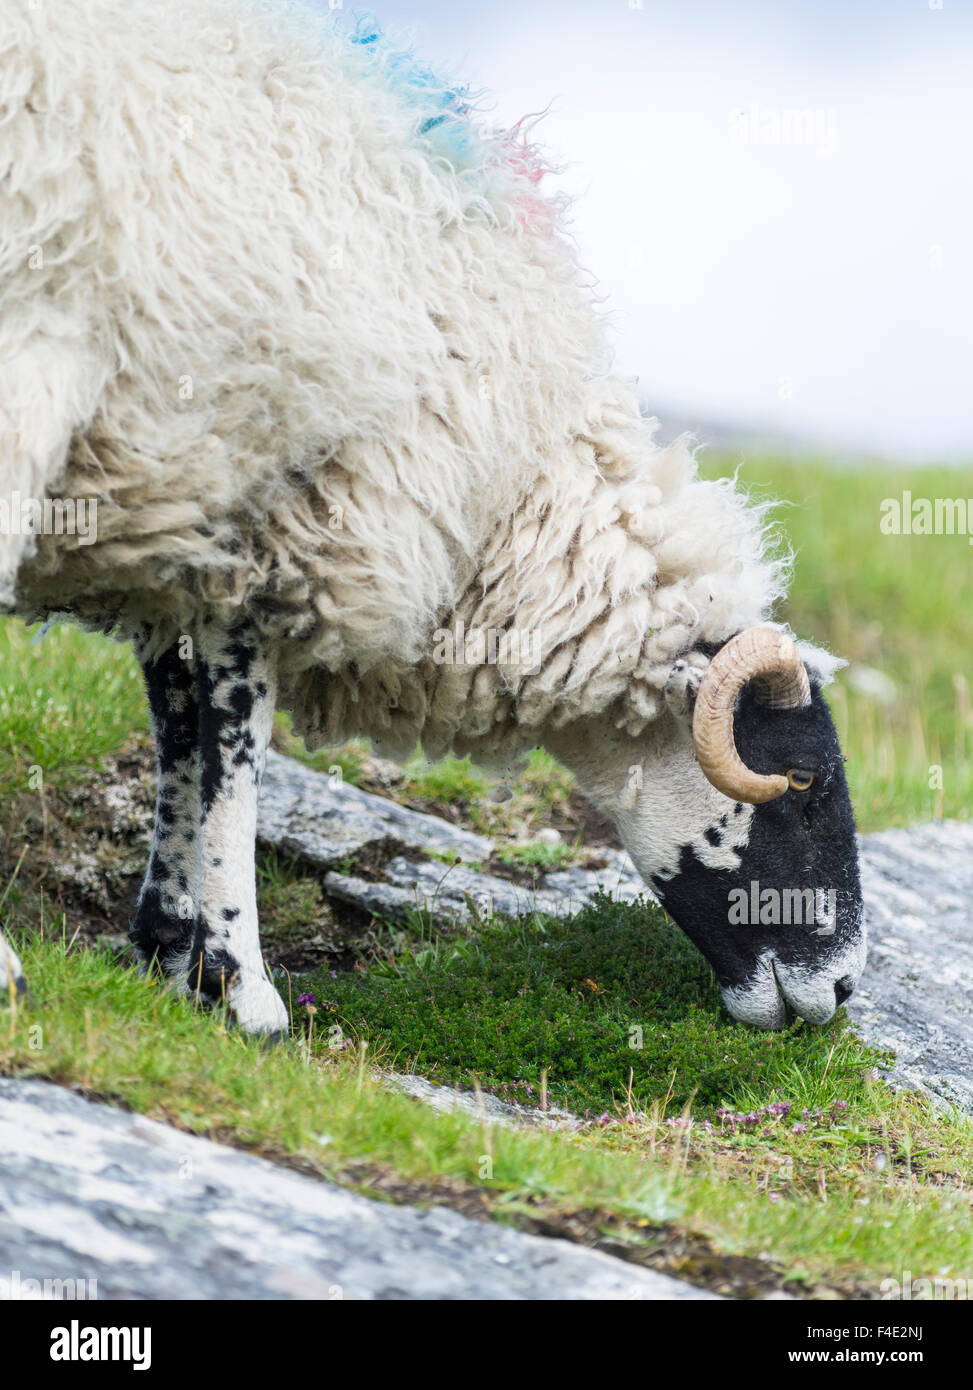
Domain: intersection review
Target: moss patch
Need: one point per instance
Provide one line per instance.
(615, 1005)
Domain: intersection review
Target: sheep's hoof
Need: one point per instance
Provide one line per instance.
(256, 1007)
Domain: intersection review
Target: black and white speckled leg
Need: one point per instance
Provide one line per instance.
(11, 972)
(237, 691)
(166, 920)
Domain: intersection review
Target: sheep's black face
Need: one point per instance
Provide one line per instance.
(771, 893)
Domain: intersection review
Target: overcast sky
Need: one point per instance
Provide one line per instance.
(819, 284)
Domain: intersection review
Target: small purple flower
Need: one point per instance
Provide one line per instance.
(305, 999)
(604, 1120)
(841, 1105)
(799, 1129)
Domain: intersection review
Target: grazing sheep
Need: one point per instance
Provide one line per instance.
(315, 342)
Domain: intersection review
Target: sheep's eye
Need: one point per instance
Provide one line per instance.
(799, 779)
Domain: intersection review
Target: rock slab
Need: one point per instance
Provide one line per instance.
(916, 995)
(90, 1192)
(327, 822)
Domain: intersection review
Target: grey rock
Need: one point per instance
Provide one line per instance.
(94, 1193)
(455, 893)
(619, 878)
(325, 821)
(482, 1105)
(916, 995)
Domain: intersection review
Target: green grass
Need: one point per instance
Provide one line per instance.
(848, 1204)
(291, 904)
(545, 779)
(346, 762)
(540, 786)
(613, 1004)
(65, 701)
(450, 780)
(537, 855)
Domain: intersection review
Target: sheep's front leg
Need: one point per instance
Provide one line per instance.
(166, 920)
(11, 972)
(237, 689)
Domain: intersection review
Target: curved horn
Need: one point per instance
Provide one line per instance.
(762, 654)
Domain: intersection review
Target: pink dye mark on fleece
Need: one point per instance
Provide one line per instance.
(538, 212)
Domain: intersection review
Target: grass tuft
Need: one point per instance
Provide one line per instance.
(614, 1004)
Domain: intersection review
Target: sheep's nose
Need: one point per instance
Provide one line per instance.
(843, 990)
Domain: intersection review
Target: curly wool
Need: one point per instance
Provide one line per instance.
(600, 578)
(322, 352)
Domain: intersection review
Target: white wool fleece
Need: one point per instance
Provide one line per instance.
(617, 563)
(318, 374)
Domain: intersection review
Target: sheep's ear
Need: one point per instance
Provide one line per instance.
(821, 665)
(682, 686)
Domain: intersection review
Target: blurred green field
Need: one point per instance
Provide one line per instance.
(902, 606)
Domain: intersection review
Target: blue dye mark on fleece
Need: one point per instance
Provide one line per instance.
(443, 113)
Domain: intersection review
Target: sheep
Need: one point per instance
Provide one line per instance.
(318, 347)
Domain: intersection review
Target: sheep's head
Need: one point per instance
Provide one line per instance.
(736, 809)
